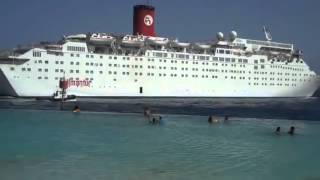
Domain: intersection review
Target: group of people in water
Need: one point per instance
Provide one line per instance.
(291, 130)
(157, 119)
(153, 119)
(213, 119)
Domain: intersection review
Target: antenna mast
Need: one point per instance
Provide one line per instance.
(267, 33)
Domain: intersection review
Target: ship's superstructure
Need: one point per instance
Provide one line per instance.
(144, 65)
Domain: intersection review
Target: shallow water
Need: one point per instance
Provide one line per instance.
(265, 108)
(48, 144)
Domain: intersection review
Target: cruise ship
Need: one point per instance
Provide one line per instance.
(143, 64)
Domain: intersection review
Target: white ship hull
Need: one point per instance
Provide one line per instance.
(127, 82)
(162, 89)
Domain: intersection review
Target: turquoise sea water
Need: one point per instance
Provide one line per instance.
(50, 144)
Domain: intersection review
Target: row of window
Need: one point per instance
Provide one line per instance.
(75, 48)
(223, 51)
(221, 59)
(40, 62)
(127, 66)
(36, 54)
(203, 63)
(288, 68)
(182, 75)
(174, 68)
(256, 61)
(200, 57)
(123, 73)
(272, 84)
(165, 55)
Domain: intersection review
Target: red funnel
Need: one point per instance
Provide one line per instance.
(143, 20)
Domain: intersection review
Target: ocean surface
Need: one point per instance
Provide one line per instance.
(111, 139)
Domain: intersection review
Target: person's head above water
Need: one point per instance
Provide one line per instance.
(210, 119)
(226, 118)
(147, 111)
(291, 130)
(76, 108)
(278, 129)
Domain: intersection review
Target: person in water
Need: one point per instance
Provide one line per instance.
(156, 120)
(212, 119)
(76, 109)
(160, 120)
(277, 130)
(291, 130)
(226, 119)
(147, 112)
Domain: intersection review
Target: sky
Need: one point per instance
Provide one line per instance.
(290, 21)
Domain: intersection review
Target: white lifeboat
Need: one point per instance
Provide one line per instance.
(176, 43)
(223, 43)
(202, 46)
(236, 52)
(158, 40)
(53, 47)
(101, 38)
(132, 40)
(274, 53)
(76, 37)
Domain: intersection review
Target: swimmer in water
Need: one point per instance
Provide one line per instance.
(212, 119)
(147, 112)
(154, 120)
(148, 115)
(215, 120)
(76, 109)
(291, 130)
(277, 130)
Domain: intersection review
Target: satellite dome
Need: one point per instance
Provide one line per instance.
(233, 35)
(220, 36)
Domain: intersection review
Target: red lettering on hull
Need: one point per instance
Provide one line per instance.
(79, 83)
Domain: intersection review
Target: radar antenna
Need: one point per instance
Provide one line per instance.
(267, 33)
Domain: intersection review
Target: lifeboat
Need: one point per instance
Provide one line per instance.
(176, 43)
(158, 40)
(274, 53)
(101, 38)
(202, 46)
(237, 52)
(132, 40)
(76, 37)
(53, 47)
